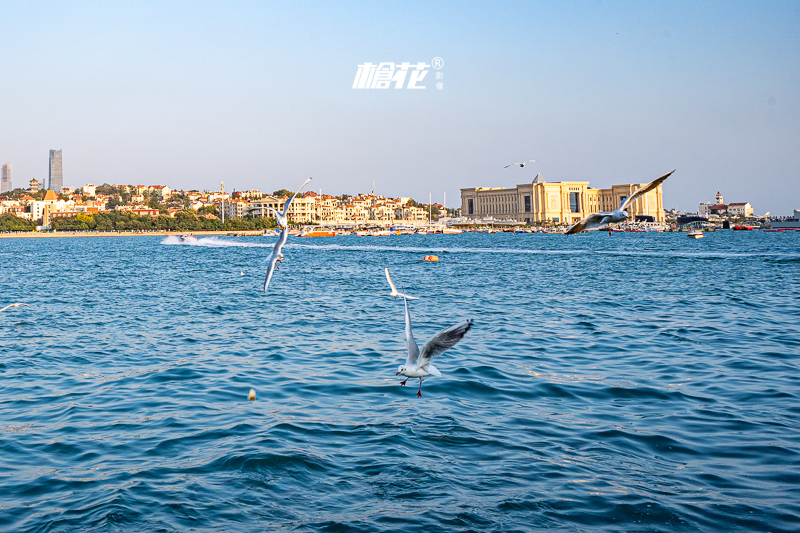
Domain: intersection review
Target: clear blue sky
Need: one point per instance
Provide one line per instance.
(258, 94)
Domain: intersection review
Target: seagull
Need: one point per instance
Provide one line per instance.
(520, 165)
(418, 365)
(276, 256)
(14, 305)
(595, 220)
(394, 289)
(280, 216)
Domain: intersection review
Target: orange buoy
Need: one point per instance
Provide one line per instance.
(431, 258)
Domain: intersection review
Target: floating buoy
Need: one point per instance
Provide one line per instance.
(252, 395)
(431, 258)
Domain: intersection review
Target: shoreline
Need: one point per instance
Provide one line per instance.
(40, 235)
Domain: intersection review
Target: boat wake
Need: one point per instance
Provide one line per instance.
(214, 242)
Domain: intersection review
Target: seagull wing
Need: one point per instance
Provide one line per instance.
(275, 255)
(289, 201)
(394, 289)
(273, 258)
(441, 341)
(511, 165)
(413, 349)
(644, 190)
(591, 221)
(391, 284)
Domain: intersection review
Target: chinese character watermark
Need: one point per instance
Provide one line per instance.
(383, 75)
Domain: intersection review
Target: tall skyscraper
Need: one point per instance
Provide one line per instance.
(5, 178)
(56, 179)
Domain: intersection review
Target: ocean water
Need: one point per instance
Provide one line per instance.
(634, 382)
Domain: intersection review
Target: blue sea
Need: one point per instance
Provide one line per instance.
(632, 382)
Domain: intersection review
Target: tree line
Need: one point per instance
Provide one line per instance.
(182, 221)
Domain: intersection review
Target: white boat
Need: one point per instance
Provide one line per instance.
(695, 234)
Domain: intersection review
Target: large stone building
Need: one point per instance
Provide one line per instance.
(558, 202)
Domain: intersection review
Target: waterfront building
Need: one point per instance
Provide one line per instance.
(56, 177)
(44, 209)
(718, 209)
(259, 207)
(236, 208)
(559, 202)
(5, 178)
(740, 209)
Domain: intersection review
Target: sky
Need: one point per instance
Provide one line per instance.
(259, 95)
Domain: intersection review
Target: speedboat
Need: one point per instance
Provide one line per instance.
(695, 234)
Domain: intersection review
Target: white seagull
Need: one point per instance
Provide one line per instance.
(14, 305)
(277, 256)
(280, 216)
(520, 165)
(418, 365)
(595, 220)
(394, 289)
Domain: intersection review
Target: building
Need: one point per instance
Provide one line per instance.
(5, 178)
(44, 209)
(558, 202)
(56, 178)
(740, 209)
(33, 185)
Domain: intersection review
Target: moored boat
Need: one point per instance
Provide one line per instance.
(318, 233)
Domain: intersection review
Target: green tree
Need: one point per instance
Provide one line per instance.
(11, 222)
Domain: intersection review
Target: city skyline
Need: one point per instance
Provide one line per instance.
(615, 92)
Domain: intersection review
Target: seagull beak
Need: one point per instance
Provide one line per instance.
(397, 374)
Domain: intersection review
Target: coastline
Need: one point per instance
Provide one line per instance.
(41, 235)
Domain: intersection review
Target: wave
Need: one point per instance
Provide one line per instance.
(213, 242)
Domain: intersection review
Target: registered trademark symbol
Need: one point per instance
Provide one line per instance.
(437, 63)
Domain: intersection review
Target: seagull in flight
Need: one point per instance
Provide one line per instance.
(280, 216)
(520, 165)
(14, 305)
(418, 364)
(394, 289)
(277, 256)
(595, 220)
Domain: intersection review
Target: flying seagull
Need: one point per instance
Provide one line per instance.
(277, 256)
(520, 165)
(418, 365)
(14, 305)
(595, 220)
(280, 216)
(394, 289)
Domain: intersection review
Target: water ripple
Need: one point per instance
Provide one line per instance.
(638, 382)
